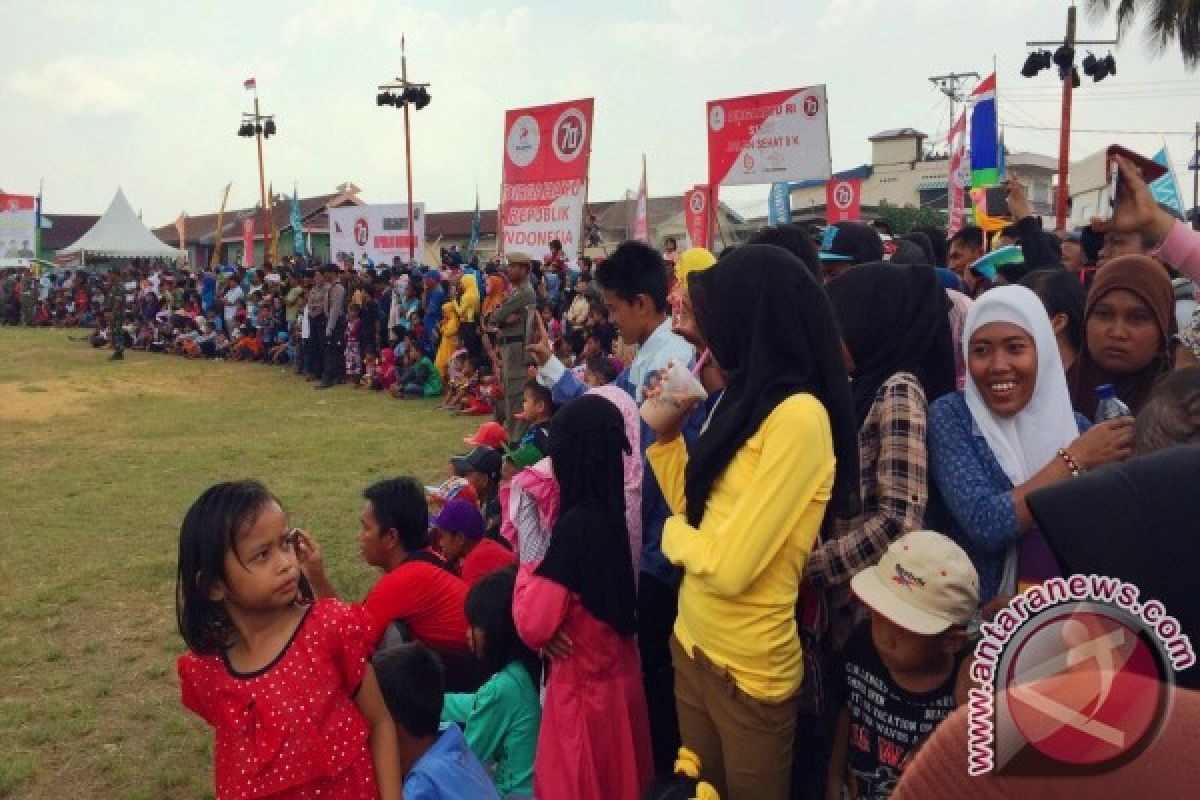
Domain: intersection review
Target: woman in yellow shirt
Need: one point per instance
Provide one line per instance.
(778, 449)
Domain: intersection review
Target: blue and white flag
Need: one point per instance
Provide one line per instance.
(779, 204)
(297, 225)
(1166, 188)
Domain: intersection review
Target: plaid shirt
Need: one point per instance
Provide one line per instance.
(895, 492)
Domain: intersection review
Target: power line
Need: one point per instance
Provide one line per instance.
(1102, 130)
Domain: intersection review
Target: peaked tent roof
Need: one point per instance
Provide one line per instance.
(120, 233)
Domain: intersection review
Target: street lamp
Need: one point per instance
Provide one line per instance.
(259, 126)
(401, 93)
(1068, 73)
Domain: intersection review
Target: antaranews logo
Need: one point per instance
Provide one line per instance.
(1072, 677)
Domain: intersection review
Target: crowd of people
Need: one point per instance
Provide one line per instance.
(767, 587)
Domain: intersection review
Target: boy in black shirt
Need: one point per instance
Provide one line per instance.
(907, 670)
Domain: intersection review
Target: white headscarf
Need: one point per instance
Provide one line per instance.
(1030, 439)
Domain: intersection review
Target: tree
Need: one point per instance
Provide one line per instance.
(1170, 22)
(903, 219)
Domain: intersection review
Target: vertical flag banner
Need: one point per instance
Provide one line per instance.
(779, 204)
(297, 225)
(959, 177)
(546, 155)
(985, 140)
(380, 232)
(769, 138)
(641, 220)
(248, 242)
(843, 201)
(18, 221)
(181, 229)
(271, 245)
(476, 227)
(37, 223)
(1166, 188)
(697, 212)
(215, 259)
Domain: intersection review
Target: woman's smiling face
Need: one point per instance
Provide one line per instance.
(1003, 361)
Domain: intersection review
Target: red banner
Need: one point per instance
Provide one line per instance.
(843, 201)
(697, 214)
(769, 138)
(546, 155)
(248, 242)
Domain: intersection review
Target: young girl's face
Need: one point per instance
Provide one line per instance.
(261, 571)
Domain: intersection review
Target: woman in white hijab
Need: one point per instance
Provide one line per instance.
(1009, 432)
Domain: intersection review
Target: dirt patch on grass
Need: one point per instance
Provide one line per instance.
(44, 400)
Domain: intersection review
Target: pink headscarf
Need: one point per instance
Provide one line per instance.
(633, 464)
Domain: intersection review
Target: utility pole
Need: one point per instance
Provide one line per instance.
(952, 86)
(260, 126)
(410, 94)
(1195, 167)
(1069, 75)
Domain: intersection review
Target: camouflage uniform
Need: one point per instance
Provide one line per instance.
(29, 291)
(511, 318)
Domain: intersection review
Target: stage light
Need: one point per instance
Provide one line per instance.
(269, 128)
(1064, 56)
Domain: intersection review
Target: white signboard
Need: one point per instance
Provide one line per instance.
(380, 232)
(17, 222)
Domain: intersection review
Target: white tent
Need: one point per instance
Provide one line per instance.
(120, 234)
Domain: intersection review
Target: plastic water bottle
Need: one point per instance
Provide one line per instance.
(1110, 406)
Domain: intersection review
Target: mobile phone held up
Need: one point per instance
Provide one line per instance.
(995, 201)
(1149, 169)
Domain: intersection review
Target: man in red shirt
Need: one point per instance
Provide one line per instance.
(418, 590)
(460, 538)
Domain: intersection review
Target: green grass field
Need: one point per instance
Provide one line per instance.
(98, 463)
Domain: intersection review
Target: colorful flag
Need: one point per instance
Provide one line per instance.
(250, 83)
(1166, 188)
(958, 178)
(779, 204)
(985, 139)
(641, 222)
(297, 225)
(476, 227)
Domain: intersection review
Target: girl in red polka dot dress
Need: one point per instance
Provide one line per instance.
(287, 688)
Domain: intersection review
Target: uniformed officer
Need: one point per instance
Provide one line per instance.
(29, 293)
(116, 312)
(511, 319)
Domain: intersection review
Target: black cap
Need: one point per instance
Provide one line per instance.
(481, 459)
(852, 242)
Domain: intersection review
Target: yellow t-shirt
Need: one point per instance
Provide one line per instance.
(743, 565)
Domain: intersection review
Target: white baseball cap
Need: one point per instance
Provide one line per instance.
(925, 583)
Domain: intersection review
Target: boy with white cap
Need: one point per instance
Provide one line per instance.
(907, 670)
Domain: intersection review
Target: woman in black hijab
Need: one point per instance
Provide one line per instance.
(900, 355)
(594, 741)
(779, 450)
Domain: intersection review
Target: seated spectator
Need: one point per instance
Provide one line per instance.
(501, 719)
(459, 535)
(419, 597)
(435, 761)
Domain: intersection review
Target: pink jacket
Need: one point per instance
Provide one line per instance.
(1181, 249)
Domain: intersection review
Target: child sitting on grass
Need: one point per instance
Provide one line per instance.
(501, 720)
(435, 761)
(420, 377)
(277, 681)
(907, 670)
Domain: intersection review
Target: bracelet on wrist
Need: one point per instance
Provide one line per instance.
(1072, 465)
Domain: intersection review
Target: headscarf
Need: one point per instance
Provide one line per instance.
(631, 462)
(1135, 521)
(468, 305)
(960, 306)
(694, 259)
(495, 293)
(1030, 439)
(589, 549)
(1145, 278)
(893, 318)
(771, 330)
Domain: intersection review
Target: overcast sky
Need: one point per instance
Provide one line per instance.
(147, 94)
